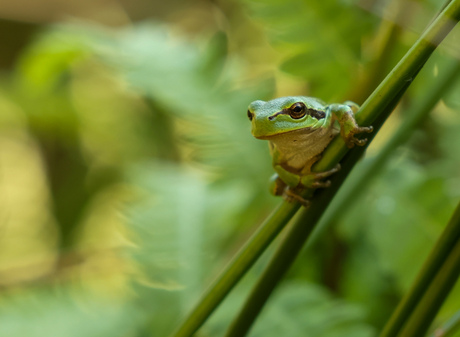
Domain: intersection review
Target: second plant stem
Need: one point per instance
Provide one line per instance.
(446, 258)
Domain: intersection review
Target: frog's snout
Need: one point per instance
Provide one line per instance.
(255, 105)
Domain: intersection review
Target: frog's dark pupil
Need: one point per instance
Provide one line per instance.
(250, 115)
(297, 108)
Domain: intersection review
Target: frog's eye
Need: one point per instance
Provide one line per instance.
(250, 115)
(297, 110)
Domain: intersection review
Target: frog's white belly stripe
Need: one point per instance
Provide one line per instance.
(297, 148)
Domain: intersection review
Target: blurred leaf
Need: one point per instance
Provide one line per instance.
(65, 313)
(177, 225)
(40, 91)
(209, 119)
(452, 97)
(298, 308)
(173, 222)
(406, 212)
(216, 55)
(321, 41)
(302, 309)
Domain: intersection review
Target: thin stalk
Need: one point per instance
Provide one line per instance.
(375, 109)
(441, 284)
(401, 75)
(449, 328)
(235, 270)
(449, 238)
(366, 171)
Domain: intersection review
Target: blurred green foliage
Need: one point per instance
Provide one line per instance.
(128, 175)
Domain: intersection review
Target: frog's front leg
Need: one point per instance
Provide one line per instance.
(343, 113)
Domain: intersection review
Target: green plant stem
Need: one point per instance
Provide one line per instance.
(366, 171)
(379, 104)
(449, 328)
(447, 255)
(240, 264)
(449, 238)
(277, 267)
(402, 74)
(426, 276)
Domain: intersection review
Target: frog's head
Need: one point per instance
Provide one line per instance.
(284, 114)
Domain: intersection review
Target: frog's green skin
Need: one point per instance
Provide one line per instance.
(298, 129)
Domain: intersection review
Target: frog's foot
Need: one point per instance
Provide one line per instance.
(313, 179)
(351, 140)
(291, 195)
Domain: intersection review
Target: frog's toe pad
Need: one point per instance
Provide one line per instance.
(321, 184)
(355, 141)
(369, 128)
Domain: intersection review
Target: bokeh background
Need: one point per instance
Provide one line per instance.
(129, 177)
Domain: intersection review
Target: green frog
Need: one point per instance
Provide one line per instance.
(298, 129)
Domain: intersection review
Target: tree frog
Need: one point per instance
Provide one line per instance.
(298, 129)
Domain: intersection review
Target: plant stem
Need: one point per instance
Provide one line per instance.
(366, 171)
(240, 264)
(442, 249)
(446, 254)
(379, 104)
(401, 75)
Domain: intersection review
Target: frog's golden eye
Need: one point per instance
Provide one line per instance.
(297, 110)
(250, 115)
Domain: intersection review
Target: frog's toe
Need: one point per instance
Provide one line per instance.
(321, 184)
(290, 196)
(352, 141)
(325, 174)
(367, 129)
(333, 170)
(359, 142)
